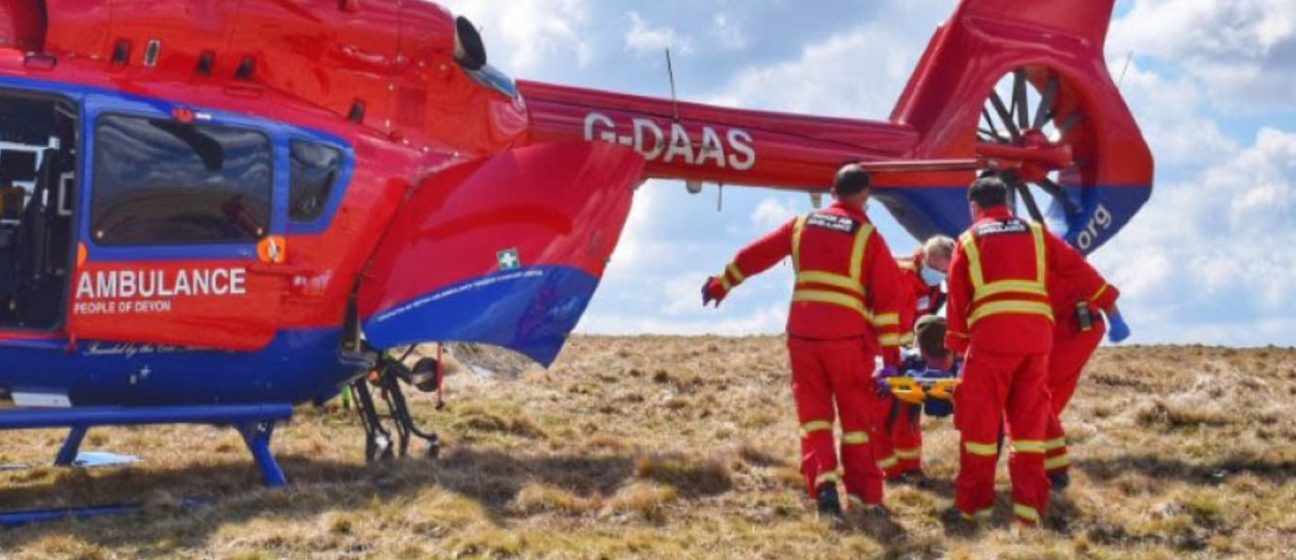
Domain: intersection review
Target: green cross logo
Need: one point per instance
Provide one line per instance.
(508, 259)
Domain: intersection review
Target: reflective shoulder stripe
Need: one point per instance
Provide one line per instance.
(858, 250)
(830, 279)
(982, 449)
(797, 229)
(738, 276)
(1019, 307)
(974, 260)
(1041, 262)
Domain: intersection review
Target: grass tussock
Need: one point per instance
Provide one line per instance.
(670, 447)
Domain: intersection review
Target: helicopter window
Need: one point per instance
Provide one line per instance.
(159, 182)
(315, 169)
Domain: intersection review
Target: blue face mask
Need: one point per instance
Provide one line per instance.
(932, 276)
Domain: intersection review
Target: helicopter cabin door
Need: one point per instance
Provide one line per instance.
(180, 228)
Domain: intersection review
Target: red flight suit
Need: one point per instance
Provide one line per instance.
(900, 451)
(1072, 348)
(999, 314)
(844, 312)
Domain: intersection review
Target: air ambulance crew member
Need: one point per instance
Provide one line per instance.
(844, 312)
(921, 280)
(1000, 317)
(1077, 300)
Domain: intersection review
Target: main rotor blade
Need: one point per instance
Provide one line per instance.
(1060, 194)
(1019, 99)
(1045, 110)
(1005, 116)
(1069, 123)
(989, 121)
(1029, 198)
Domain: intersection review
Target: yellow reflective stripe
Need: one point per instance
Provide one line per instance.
(1029, 446)
(915, 453)
(889, 340)
(830, 279)
(982, 290)
(1099, 293)
(1010, 287)
(724, 281)
(974, 260)
(977, 516)
(855, 438)
(1057, 462)
(830, 476)
(816, 426)
(738, 276)
(1055, 444)
(1041, 265)
(855, 502)
(888, 463)
(857, 251)
(835, 298)
(1026, 512)
(1020, 307)
(886, 320)
(907, 339)
(797, 229)
(982, 449)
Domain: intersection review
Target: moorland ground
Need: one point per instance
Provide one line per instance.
(680, 447)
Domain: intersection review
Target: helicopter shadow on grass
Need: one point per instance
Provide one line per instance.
(490, 478)
(1204, 473)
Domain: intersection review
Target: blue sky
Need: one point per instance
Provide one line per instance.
(1212, 83)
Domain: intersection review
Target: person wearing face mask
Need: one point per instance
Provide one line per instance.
(921, 279)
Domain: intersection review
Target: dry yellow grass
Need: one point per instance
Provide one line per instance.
(686, 447)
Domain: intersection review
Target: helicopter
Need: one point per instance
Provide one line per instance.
(211, 212)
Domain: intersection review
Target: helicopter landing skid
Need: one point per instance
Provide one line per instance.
(379, 445)
(254, 422)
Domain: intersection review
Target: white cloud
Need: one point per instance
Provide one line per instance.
(728, 33)
(1216, 251)
(1242, 50)
(1169, 112)
(643, 38)
(772, 213)
(522, 34)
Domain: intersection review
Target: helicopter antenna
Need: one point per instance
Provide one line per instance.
(1128, 59)
(670, 72)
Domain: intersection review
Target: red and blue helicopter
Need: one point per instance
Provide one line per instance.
(211, 211)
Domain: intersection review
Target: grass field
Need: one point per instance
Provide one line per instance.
(680, 448)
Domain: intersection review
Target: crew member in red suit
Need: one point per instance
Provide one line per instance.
(922, 277)
(844, 312)
(1077, 300)
(1001, 318)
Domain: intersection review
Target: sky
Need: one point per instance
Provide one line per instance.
(1212, 84)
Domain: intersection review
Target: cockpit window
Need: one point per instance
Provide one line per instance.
(315, 171)
(162, 182)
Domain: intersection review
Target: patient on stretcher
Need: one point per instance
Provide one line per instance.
(930, 373)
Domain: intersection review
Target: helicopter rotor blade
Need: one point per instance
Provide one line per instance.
(1044, 112)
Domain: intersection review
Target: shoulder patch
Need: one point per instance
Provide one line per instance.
(840, 224)
(1002, 227)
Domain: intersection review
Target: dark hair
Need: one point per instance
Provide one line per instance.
(929, 333)
(989, 192)
(852, 179)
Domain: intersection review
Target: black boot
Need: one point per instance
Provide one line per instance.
(829, 503)
(1060, 479)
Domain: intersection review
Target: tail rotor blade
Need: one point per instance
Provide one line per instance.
(1044, 112)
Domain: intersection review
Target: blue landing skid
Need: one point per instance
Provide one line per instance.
(254, 422)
